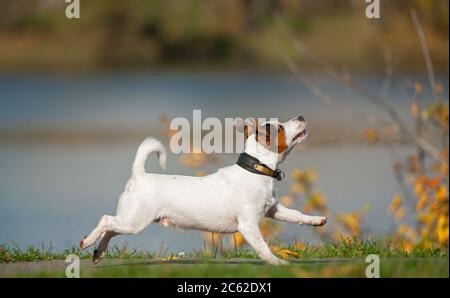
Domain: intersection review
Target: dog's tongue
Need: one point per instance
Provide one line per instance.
(301, 134)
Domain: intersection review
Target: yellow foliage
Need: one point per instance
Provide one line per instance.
(297, 188)
(442, 230)
(402, 229)
(419, 186)
(400, 213)
(407, 246)
(287, 201)
(299, 246)
(371, 135)
(351, 221)
(441, 193)
(238, 240)
(423, 200)
(286, 253)
(308, 176)
(395, 203)
(316, 201)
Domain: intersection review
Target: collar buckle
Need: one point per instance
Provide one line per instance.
(278, 174)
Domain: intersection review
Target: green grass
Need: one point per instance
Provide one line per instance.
(346, 259)
(354, 248)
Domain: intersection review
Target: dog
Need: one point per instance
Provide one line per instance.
(233, 199)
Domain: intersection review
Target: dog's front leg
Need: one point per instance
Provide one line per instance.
(279, 212)
(252, 235)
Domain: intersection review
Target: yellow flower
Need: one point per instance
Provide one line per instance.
(285, 253)
(308, 176)
(423, 199)
(311, 175)
(287, 201)
(407, 247)
(371, 135)
(275, 248)
(426, 244)
(402, 229)
(299, 246)
(297, 188)
(297, 174)
(425, 218)
(442, 229)
(238, 240)
(441, 193)
(400, 213)
(318, 201)
(442, 234)
(418, 187)
(395, 204)
(351, 221)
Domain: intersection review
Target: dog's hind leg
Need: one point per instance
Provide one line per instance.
(109, 223)
(100, 251)
(282, 213)
(96, 232)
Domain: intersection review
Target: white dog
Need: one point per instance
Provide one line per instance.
(235, 198)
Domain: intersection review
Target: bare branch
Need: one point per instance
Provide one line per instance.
(425, 52)
(387, 82)
(347, 81)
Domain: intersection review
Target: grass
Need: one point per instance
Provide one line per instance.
(353, 248)
(346, 259)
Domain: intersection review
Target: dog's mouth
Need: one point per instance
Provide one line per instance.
(299, 135)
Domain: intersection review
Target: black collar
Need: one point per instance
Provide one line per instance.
(253, 165)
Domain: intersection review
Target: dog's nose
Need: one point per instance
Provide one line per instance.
(300, 118)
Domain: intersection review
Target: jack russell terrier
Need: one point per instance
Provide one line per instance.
(233, 199)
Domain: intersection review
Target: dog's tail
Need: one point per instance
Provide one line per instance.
(148, 146)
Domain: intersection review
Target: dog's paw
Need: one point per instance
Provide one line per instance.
(278, 262)
(97, 256)
(319, 221)
(281, 263)
(83, 243)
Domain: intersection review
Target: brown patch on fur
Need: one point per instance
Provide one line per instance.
(278, 144)
(282, 145)
(263, 135)
(249, 129)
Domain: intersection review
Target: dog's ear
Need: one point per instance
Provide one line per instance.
(265, 135)
(248, 126)
(272, 137)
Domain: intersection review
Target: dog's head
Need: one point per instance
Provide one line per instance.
(272, 137)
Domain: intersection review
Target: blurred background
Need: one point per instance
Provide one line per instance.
(78, 95)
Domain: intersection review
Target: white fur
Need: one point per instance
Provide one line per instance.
(229, 200)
